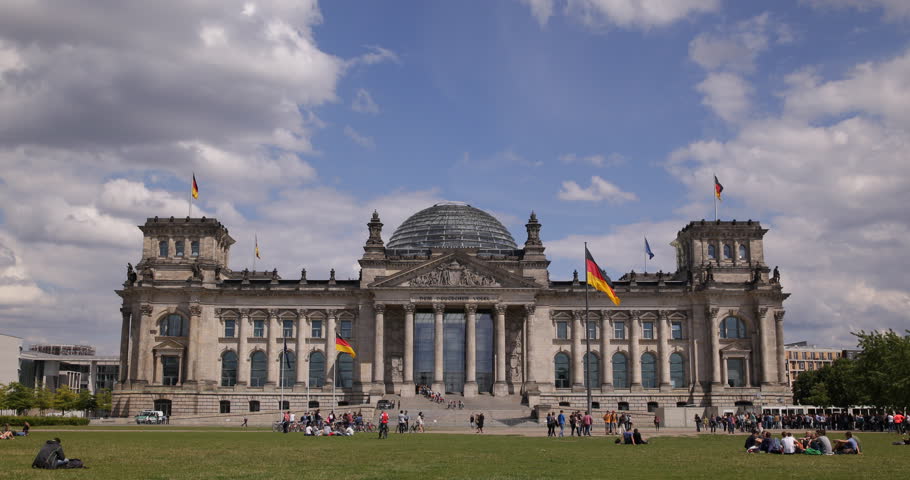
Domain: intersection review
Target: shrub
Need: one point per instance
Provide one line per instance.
(18, 421)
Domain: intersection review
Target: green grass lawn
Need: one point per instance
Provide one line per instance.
(151, 454)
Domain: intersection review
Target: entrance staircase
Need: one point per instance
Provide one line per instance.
(498, 411)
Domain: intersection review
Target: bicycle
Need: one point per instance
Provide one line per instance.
(383, 430)
(278, 426)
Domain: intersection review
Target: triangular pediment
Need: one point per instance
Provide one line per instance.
(455, 270)
(169, 344)
(739, 345)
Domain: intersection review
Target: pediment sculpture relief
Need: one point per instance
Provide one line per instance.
(453, 274)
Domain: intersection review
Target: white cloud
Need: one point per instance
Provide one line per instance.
(726, 94)
(362, 140)
(541, 9)
(599, 190)
(629, 14)
(363, 102)
(597, 160)
(894, 10)
(735, 47)
(376, 54)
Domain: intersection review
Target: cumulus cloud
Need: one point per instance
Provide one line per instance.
(363, 102)
(598, 191)
(541, 9)
(628, 14)
(894, 10)
(362, 140)
(596, 160)
(726, 94)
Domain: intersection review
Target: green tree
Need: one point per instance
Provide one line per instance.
(65, 399)
(19, 397)
(104, 400)
(803, 386)
(3, 390)
(883, 366)
(44, 399)
(85, 401)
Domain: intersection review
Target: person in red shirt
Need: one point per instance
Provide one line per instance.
(383, 425)
(899, 422)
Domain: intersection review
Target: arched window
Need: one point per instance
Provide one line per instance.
(742, 252)
(345, 365)
(677, 372)
(592, 370)
(288, 370)
(561, 366)
(178, 248)
(712, 252)
(172, 326)
(620, 371)
(194, 248)
(162, 248)
(229, 369)
(258, 369)
(732, 327)
(728, 252)
(317, 369)
(648, 371)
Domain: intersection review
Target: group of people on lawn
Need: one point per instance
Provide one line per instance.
(812, 443)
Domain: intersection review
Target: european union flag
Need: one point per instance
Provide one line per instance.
(648, 249)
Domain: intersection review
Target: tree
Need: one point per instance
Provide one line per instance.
(3, 389)
(65, 399)
(883, 366)
(104, 400)
(44, 399)
(19, 397)
(803, 387)
(85, 401)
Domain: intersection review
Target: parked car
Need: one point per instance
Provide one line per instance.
(385, 405)
(151, 417)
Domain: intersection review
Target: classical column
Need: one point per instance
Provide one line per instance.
(123, 374)
(438, 384)
(300, 350)
(143, 343)
(470, 351)
(192, 348)
(663, 349)
(530, 373)
(330, 352)
(714, 347)
(578, 373)
(635, 349)
(243, 349)
(272, 349)
(763, 347)
(378, 351)
(780, 355)
(606, 356)
(157, 377)
(93, 377)
(408, 389)
(500, 387)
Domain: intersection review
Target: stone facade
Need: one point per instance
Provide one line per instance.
(196, 334)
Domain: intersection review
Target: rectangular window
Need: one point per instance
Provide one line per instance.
(805, 355)
(287, 328)
(347, 328)
(230, 328)
(647, 330)
(254, 405)
(736, 372)
(170, 370)
(317, 329)
(162, 248)
(178, 248)
(194, 248)
(562, 330)
(592, 330)
(258, 328)
(224, 406)
(802, 365)
(619, 330)
(676, 330)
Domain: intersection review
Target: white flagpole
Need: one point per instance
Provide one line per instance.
(714, 191)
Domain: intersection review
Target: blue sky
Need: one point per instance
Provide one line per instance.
(606, 117)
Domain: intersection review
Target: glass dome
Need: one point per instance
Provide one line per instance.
(451, 225)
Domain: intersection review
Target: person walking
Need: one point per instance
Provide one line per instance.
(606, 423)
(588, 422)
(383, 425)
(657, 422)
(697, 423)
(480, 422)
(561, 421)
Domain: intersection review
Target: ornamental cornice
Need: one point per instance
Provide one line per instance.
(470, 308)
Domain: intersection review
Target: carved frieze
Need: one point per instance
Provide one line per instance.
(453, 274)
(145, 309)
(195, 310)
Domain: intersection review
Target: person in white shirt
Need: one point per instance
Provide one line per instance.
(789, 443)
(349, 432)
(309, 430)
(327, 430)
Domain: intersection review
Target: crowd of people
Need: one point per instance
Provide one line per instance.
(579, 424)
(429, 394)
(747, 421)
(312, 423)
(812, 443)
(477, 420)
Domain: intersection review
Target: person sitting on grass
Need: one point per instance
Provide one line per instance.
(822, 443)
(627, 438)
(752, 442)
(902, 442)
(847, 446)
(636, 438)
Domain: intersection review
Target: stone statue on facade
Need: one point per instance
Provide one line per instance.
(302, 275)
(332, 276)
(453, 274)
(775, 277)
(709, 273)
(147, 273)
(246, 275)
(197, 271)
(275, 274)
(130, 274)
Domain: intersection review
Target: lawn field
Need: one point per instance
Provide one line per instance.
(157, 454)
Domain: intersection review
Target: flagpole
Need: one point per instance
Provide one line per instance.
(255, 247)
(190, 203)
(335, 373)
(587, 338)
(715, 198)
(646, 255)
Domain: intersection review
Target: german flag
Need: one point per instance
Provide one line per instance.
(195, 187)
(717, 188)
(342, 346)
(598, 279)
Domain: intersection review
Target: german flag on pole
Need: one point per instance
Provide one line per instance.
(195, 187)
(717, 188)
(342, 346)
(597, 279)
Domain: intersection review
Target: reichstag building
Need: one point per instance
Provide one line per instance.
(452, 302)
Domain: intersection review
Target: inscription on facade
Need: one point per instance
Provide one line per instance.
(455, 298)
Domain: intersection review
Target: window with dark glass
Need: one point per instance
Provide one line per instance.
(561, 366)
(677, 372)
(424, 351)
(229, 369)
(162, 248)
(224, 406)
(170, 370)
(592, 370)
(287, 328)
(622, 406)
(647, 330)
(562, 330)
(728, 252)
(254, 405)
(194, 248)
(743, 255)
(316, 329)
(676, 331)
(736, 372)
(732, 327)
(712, 252)
(258, 369)
(317, 369)
(230, 328)
(288, 369)
(345, 366)
(592, 330)
(172, 326)
(620, 371)
(259, 328)
(346, 328)
(619, 330)
(178, 248)
(648, 371)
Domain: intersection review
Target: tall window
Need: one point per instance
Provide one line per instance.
(562, 330)
(346, 328)
(736, 372)
(732, 327)
(170, 370)
(288, 369)
(592, 330)
(287, 328)
(316, 329)
(677, 372)
(712, 252)
(317, 369)
(592, 370)
(743, 255)
(647, 330)
(728, 252)
(224, 406)
(194, 248)
(162, 248)
(172, 326)
(648, 371)
(561, 366)
(258, 328)
(230, 328)
(619, 330)
(258, 369)
(178, 248)
(620, 371)
(254, 405)
(345, 365)
(676, 331)
(229, 369)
